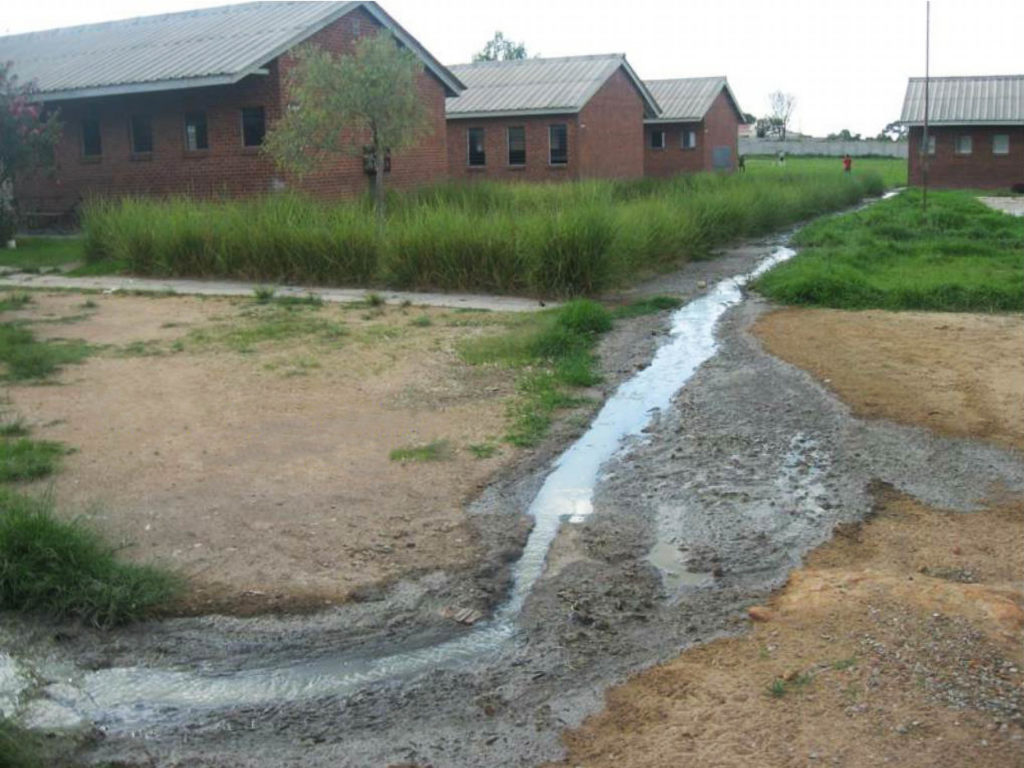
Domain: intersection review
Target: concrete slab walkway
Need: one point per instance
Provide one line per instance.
(113, 283)
(1011, 205)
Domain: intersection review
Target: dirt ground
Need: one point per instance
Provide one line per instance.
(900, 641)
(958, 374)
(247, 446)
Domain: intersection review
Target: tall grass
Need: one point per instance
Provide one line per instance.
(558, 240)
(960, 256)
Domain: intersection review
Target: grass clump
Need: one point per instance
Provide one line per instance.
(264, 294)
(24, 459)
(26, 358)
(12, 300)
(649, 306)
(439, 450)
(483, 450)
(65, 570)
(960, 256)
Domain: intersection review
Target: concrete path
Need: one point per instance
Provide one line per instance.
(1011, 205)
(114, 283)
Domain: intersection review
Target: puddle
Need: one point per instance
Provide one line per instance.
(132, 698)
(675, 574)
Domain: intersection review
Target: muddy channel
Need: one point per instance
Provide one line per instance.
(704, 499)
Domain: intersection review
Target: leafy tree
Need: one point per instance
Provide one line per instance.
(844, 135)
(749, 119)
(366, 104)
(768, 127)
(28, 136)
(781, 105)
(500, 49)
(894, 131)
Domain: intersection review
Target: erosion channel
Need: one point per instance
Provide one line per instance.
(702, 481)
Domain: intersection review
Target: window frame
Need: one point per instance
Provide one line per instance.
(932, 144)
(685, 137)
(206, 132)
(469, 146)
(1006, 139)
(241, 125)
(551, 147)
(957, 150)
(659, 133)
(137, 153)
(508, 145)
(85, 155)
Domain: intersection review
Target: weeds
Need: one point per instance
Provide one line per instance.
(780, 686)
(482, 450)
(25, 358)
(423, 321)
(24, 459)
(651, 306)
(439, 450)
(64, 569)
(14, 300)
(264, 294)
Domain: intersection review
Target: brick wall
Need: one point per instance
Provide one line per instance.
(719, 127)
(979, 170)
(226, 168)
(611, 131)
(537, 167)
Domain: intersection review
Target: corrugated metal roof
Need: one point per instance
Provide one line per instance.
(211, 46)
(688, 99)
(991, 100)
(537, 86)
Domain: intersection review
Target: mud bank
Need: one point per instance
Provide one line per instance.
(753, 465)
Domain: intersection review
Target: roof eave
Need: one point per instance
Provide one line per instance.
(512, 113)
(669, 120)
(946, 123)
(149, 87)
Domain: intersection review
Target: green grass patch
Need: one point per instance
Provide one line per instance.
(35, 253)
(483, 450)
(263, 323)
(892, 170)
(650, 306)
(439, 450)
(64, 569)
(26, 358)
(12, 300)
(960, 256)
(559, 240)
(25, 459)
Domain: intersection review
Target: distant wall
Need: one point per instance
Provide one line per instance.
(824, 147)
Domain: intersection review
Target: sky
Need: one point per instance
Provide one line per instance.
(845, 61)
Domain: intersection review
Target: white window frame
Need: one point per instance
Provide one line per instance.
(1005, 150)
(661, 139)
(688, 139)
(958, 146)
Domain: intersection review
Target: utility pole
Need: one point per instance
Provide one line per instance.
(925, 156)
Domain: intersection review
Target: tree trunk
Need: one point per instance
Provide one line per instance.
(378, 186)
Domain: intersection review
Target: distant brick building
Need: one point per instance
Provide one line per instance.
(576, 117)
(975, 131)
(697, 127)
(180, 103)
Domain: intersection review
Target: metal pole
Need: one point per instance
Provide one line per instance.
(925, 156)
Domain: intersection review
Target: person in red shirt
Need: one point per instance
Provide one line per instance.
(847, 164)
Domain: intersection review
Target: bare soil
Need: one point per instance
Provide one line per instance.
(900, 641)
(258, 466)
(957, 374)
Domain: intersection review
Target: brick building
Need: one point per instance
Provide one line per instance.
(552, 119)
(180, 103)
(975, 131)
(696, 130)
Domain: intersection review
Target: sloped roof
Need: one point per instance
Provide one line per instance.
(212, 46)
(990, 100)
(538, 86)
(688, 99)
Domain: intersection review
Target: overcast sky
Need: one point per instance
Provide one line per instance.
(846, 61)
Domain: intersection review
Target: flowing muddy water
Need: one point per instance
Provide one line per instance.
(128, 698)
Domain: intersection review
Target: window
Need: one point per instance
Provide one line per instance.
(688, 139)
(142, 135)
(517, 146)
(91, 144)
(657, 139)
(196, 136)
(475, 146)
(931, 144)
(1001, 144)
(964, 145)
(254, 126)
(558, 140)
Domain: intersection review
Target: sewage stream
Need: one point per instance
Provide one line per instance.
(129, 698)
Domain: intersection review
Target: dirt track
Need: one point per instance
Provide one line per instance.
(750, 470)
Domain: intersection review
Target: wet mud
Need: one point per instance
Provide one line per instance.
(751, 465)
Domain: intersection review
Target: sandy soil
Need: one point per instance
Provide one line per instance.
(899, 641)
(261, 470)
(958, 374)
